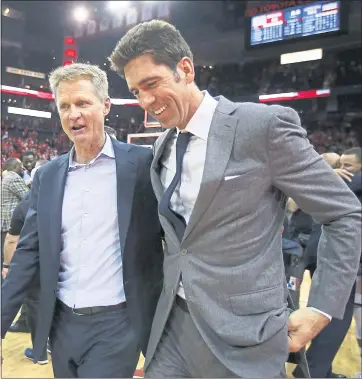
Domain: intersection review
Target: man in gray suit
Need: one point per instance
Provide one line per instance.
(222, 173)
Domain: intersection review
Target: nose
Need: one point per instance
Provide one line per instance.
(74, 114)
(146, 100)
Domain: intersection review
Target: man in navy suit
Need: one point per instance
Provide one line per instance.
(93, 235)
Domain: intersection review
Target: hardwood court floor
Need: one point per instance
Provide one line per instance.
(16, 366)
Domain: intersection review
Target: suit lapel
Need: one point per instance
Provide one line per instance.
(126, 168)
(56, 184)
(156, 182)
(155, 166)
(219, 146)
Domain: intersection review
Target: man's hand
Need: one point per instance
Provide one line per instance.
(303, 325)
(4, 272)
(344, 174)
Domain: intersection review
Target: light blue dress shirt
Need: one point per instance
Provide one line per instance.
(91, 272)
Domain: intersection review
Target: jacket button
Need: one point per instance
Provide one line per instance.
(183, 252)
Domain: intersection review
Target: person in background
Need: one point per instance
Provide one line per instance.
(351, 161)
(31, 302)
(325, 345)
(13, 189)
(29, 161)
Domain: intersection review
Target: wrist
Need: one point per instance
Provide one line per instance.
(5, 265)
(322, 319)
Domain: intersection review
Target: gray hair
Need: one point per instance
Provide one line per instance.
(80, 70)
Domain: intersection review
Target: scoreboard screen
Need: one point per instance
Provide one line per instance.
(291, 23)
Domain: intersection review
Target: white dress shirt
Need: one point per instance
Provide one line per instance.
(91, 272)
(186, 192)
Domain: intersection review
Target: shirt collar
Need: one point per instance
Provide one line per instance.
(106, 150)
(200, 123)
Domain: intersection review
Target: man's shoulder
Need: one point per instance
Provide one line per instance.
(10, 176)
(256, 119)
(138, 151)
(13, 179)
(257, 110)
(53, 164)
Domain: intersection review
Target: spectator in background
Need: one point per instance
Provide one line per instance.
(13, 189)
(351, 160)
(31, 301)
(325, 345)
(29, 161)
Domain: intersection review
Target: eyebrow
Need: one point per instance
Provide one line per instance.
(143, 81)
(77, 100)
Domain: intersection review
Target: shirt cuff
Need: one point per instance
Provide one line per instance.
(323, 313)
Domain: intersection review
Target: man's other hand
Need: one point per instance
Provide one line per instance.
(4, 272)
(303, 325)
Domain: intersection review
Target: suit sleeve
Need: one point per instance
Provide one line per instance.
(301, 173)
(24, 264)
(17, 221)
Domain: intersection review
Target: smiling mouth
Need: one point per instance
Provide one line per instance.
(159, 111)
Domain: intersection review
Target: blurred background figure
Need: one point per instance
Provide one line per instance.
(29, 314)
(13, 189)
(29, 161)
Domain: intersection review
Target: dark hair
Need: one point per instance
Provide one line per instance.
(27, 153)
(354, 151)
(11, 164)
(157, 38)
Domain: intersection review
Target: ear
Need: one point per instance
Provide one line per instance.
(107, 106)
(187, 67)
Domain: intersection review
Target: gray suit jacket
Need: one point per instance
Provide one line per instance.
(231, 253)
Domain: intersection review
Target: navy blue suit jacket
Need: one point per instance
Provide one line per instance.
(39, 245)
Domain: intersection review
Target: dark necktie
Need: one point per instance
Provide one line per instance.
(165, 210)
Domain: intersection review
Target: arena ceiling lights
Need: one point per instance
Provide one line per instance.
(118, 5)
(301, 56)
(308, 94)
(49, 95)
(80, 14)
(29, 112)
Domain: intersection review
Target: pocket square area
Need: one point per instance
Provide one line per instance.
(231, 177)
